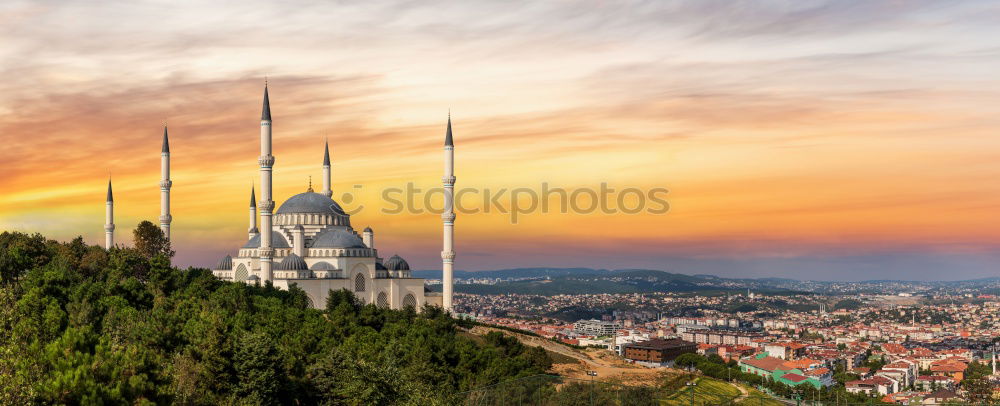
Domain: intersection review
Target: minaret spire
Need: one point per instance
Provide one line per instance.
(109, 219)
(326, 170)
(253, 231)
(266, 162)
(447, 135)
(165, 184)
(266, 112)
(166, 141)
(448, 218)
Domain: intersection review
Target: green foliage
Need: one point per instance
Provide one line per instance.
(150, 241)
(84, 325)
(977, 370)
(20, 252)
(848, 304)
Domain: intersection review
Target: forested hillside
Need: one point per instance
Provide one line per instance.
(80, 324)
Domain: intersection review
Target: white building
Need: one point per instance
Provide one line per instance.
(309, 242)
(596, 327)
(632, 337)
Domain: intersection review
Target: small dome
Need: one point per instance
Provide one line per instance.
(397, 264)
(323, 266)
(379, 267)
(368, 229)
(253, 277)
(335, 238)
(310, 202)
(293, 263)
(277, 241)
(225, 264)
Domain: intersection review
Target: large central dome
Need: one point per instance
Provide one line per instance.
(310, 202)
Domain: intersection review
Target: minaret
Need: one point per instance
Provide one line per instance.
(299, 240)
(253, 231)
(448, 217)
(165, 184)
(368, 237)
(993, 358)
(109, 219)
(326, 170)
(266, 161)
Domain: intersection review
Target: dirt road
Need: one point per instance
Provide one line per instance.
(609, 367)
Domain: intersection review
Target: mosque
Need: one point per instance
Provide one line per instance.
(309, 241)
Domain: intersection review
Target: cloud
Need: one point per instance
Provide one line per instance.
(783, 129)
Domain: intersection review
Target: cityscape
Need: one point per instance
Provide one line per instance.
(900, 348)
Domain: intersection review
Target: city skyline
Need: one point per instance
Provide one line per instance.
(850, 139)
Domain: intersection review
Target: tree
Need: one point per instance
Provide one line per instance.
(977, 370)
(150, 241)
(979, 389)
(83, 325)
(257, 364)
(343, 380)
(19, 253)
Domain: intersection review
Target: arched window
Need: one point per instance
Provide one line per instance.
(359, 283)
(383, 300)
(241, 273)
(409, 301)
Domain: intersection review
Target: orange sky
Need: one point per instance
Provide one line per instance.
(841, 140)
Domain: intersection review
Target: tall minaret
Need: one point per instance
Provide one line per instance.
(326, 170)
(993, 358)
(165, 184)
(109, 219)
(253, 231)
(266, 161)
(448, 217)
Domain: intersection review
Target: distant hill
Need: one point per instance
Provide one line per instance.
(513, 273)
(554, 281)
(542, 281)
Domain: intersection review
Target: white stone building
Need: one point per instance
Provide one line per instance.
(309, 242)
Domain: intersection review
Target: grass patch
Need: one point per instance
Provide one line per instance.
(758, 398)
(707, 391)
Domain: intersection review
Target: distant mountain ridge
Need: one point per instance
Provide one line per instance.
(538, 272)
(513, 273)
(554, 281)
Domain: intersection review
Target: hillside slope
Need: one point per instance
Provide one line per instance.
(84, 325)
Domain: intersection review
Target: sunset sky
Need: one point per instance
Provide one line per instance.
(834, 140)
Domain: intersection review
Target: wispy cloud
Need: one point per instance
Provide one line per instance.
(801, 130)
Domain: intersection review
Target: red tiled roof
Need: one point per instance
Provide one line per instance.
(948, 367)
(794, 377)
(817, 371)
(893, 348)
(881, 380)
(766, 363)
(801, 363)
